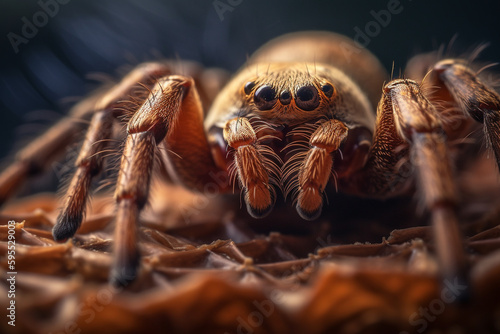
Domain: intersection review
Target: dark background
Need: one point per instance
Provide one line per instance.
(40, 82)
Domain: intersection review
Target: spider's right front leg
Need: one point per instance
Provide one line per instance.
(171, 114)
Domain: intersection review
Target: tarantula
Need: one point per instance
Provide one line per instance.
(304, 111)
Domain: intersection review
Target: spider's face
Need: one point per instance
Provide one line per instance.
(288, 94)
(285, 102)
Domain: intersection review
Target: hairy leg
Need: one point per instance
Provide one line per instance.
(407, 123)
(474, 97)
(39, 154)
(172, 115)
(89, 161)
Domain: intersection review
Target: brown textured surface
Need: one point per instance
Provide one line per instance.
(204, 270)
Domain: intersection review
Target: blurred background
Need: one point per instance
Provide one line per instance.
(50, 48)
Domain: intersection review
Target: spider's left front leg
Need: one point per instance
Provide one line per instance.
(171, 114)
(407, 123)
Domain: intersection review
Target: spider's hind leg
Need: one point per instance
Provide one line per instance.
(39, 154)
(89, 162)
(455, 84)
(474, 97)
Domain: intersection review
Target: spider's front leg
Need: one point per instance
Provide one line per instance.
(408, 123)
(172, 114)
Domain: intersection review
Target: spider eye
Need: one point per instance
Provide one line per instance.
(265, 97)
(327, 89)
(248, 87)
(285, 97)
(307, 98)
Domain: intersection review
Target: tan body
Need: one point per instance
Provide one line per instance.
(301, 113)
(308, 56)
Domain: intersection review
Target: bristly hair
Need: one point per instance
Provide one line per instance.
(233, 169)
(470, 56)
(296, 150)
(271, 159)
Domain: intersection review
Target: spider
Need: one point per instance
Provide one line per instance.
(306, 111)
